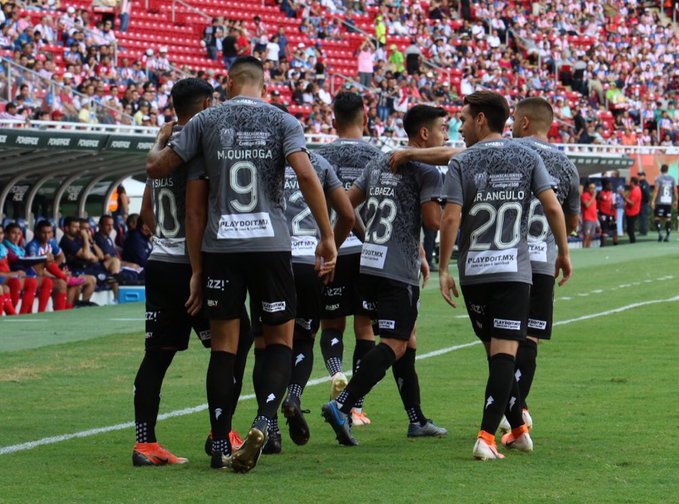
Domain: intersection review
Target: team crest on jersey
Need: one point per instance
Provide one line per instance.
(480, 180)
(227, 137)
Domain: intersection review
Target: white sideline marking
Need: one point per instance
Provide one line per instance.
(127, 320)
(7, 319)
(202, 407)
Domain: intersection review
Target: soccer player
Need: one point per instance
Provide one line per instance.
(397, 205)
(32, 282)
(304, 236)
(532, 120)
(168, 273)
(488, 191)
(662, 202)
(239, 218)
(11, 285)
(349, 155)
(589, 214)
(66, 288)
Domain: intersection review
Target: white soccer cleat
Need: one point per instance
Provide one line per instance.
(522, 443)
(485, 451)
(527, 419)
(338, 383)
(504, 425)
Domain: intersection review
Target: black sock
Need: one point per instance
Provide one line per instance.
(245, 340)
(332, 349)
(147, 387)
(258, 373)
(526, 358)
(409, 386)
(275, 379)
(498, 388)
(219, 385)
(513, 411)
(668, 228)
(373, 367)
(658, 226)
(362, 347)
(302, 364)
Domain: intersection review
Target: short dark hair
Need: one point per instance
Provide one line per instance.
(104, 217)
(664, 168)
(70, 220)
(634, 180)
(41, 224)
(12, 225)
(348, 108)
(247, 69)
(421, 116)
(493, 105)
(538, 110)
(188, 94)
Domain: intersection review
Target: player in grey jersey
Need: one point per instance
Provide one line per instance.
(304, 235)
(397, 205)
(349, 155)
(663, 201)
(488, 191)
(168, 273)
(237, 215)
(532, 120)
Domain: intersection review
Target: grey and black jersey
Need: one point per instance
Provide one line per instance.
(393, 204)
(494, 182)
(168, 196)
(245, 143)
(666, 187)
(541, 243)
(304, 232)
(349, 157)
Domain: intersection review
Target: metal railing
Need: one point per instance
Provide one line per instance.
(15, 75)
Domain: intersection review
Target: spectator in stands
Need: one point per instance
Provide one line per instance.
(137, 246)
(413, 56)
(11, 113)
(366, 63)
(230, 48)
(211, 34)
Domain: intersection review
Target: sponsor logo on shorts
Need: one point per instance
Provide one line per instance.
(277, 306)
(387, 324)
(334, 291)
(212, 303)
(510, 325)
(368, 306)
(152, 315)
(332, 307)
(537, 324)
(476, 308)
(216, 284)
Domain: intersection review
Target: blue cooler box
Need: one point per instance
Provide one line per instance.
(131, 294)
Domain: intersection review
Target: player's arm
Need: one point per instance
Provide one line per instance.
(557, 224)
(424, 266)
(146, 211)
(430, 155)
(161, 161)
(313, 195)
(196, 221)
(656, 188)
(431, 215)
(450, 224)
(339, 201)
(356, 197)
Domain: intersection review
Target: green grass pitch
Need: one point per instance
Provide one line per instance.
(603, 403)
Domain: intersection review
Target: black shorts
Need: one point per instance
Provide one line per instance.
(541, 307)
(168, 325)
(663, 211)
(498, 310)
(607, 223)
(392, 303)
(266, 276)
(342, 296)
(96, 269)
(308, 289)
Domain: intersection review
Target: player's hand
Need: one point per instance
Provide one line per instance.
(447, 284)
(165, 132)
(18, 274)
(563, 263)
(398, 158)
(425, 270)
(195, 301)
(326, 258)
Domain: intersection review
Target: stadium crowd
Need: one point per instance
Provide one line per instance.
(616, 64)
(90, 255)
